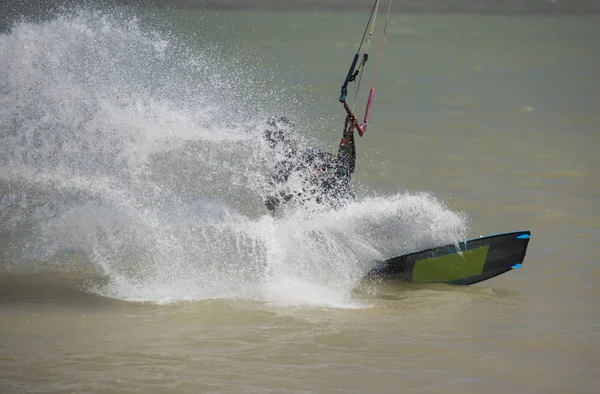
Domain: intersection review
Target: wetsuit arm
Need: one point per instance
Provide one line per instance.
(347, 149)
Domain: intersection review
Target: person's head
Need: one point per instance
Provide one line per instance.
(278, 132)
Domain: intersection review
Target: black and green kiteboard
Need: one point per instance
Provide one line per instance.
(468, 262)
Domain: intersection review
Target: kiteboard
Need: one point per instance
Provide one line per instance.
(466, 263)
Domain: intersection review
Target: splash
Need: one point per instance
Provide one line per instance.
(116, 161)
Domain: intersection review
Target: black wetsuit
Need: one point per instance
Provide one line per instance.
(324, 177)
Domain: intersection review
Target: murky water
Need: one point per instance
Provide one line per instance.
(136, 253)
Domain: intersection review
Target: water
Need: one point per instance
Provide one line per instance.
(136, 253)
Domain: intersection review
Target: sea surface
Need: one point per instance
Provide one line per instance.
(136, 254)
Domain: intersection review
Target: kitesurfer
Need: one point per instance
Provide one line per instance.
(309, 174)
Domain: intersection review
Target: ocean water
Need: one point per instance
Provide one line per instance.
(136, 253)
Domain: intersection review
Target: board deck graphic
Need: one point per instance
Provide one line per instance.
(468, 262)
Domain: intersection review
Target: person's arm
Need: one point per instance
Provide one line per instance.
(347, 149)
